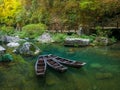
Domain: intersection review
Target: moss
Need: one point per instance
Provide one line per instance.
(103, 76)
(96, 66)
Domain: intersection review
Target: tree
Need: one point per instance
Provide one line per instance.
(9, 10)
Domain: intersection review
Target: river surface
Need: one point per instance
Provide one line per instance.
(102, 71)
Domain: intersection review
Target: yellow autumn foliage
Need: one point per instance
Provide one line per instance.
(9, 9)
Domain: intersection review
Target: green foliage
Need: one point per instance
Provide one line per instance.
(70, 13)
(7, 30)
(112, 40)
(86, 4)
(33, 30)
(59, 37)
(9, 9)
(102, 33)
(91, 37)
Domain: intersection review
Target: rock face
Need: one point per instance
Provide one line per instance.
(27, 49)
(13, 44)
(76, 42)
(9, 39)
(45, 38)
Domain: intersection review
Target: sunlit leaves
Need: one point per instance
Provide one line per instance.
(9, 9)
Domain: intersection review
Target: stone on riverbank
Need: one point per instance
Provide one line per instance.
(2, 50)
(13, 44)
(101, 41)
(9, 39)
(45, 38)
(76, 42)
(27, 49)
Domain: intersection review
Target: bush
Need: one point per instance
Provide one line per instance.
(112, 40)
(102, 33)
(33, 30)
(7, 30)
(59, 37)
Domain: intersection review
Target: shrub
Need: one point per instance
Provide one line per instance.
(33, 30)
(112, 40)
(7, 30)
(59, 37)
(102, 33)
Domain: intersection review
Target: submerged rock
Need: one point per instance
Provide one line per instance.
(27, 49)
(76, 42)
(103, 76)
(13, 44)
(96, 66)
(45, 38)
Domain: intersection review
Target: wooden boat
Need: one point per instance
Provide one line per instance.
(68, 62)
(54, 64)
(40, 66)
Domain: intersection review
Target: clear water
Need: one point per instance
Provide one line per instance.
(102, 71)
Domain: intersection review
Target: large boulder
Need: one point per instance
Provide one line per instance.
(76, 42)
(45, 38)
(27, 49)
(13, 44)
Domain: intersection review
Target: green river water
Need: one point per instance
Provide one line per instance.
(102, 71)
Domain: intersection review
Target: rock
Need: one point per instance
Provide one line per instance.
(102, 76)
(2, 50)
(9, 39)
(27, 49)
(76, 42)
(7, 57)
(45, 38)
(71, 50)
(96, 66)
(101, 41)
(13, 44)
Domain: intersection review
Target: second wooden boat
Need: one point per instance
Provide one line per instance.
(54, 64)
(68, 62)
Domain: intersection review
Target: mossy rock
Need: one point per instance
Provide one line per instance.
(96, 66)
(102, 76)
(7, 57)
(51, 82)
